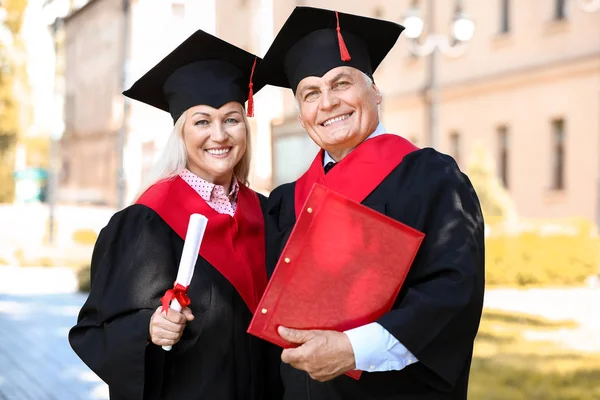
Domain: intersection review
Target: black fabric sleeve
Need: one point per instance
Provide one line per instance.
(127, 280)
(438, 315)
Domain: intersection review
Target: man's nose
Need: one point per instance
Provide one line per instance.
(328, 100)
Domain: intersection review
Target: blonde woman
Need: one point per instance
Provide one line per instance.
(203, 84)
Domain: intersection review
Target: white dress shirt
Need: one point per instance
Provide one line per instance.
(375, 349)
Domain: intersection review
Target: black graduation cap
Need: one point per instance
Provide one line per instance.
(311, 43)
(202, 70)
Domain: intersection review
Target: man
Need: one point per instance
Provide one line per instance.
(422, 349)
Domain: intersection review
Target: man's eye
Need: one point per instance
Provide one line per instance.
(311, 96)
(341, 85)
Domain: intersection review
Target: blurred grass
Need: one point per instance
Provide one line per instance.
(507, 366)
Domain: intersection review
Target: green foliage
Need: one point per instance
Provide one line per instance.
(12, 74)
(83, 279)
(85, 237)
(7, 147)
(495, 200)
(543, 252)
(37, 149)
(527, 252)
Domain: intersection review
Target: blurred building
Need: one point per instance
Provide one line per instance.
(527, 87)
(110, 142)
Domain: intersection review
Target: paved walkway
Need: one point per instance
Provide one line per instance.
(36, 361)
(38, 306)
(581, 305)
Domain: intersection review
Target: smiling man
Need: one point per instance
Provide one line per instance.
(422, 349)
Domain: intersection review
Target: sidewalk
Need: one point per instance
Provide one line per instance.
(578, 304)
(38, 306)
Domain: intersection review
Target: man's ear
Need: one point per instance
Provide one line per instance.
(378, 95)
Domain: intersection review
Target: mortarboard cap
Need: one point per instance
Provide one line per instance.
(313, 41)
(202, 70)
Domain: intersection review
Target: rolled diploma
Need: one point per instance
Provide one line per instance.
(189, 256)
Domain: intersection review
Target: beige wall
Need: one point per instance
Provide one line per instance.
(92, 81)
(541, 70)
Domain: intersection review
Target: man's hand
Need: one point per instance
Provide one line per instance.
(166, 329)
(323, 354)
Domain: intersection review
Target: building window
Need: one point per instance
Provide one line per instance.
(505, 16)
(503, 148)
(558, 154)
(455, 146)
(560, 10)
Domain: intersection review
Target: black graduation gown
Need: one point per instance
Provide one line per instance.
(135, 261)
(437, 312)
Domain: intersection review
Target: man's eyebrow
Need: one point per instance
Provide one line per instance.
(309, 87)
(332, 80)
(305, 89)
(339, 76)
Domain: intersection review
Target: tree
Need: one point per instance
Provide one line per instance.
(12, 79)
(494, 198)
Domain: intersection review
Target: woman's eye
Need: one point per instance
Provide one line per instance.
(231, 121)
(202, 122)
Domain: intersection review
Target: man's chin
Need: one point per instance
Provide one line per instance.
(337, 137)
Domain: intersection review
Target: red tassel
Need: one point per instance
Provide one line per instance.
(251, 92)
(344, 54)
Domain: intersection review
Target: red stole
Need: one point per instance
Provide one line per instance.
(235, 246)
(359, 173)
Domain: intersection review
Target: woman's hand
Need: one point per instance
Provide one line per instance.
(166, 329)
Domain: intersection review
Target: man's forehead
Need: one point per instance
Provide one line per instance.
(330, 75)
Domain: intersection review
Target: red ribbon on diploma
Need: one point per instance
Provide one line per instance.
(178, 292)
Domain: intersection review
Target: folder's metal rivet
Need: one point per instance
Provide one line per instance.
(309, 210)
(264, 311)
(287, 260)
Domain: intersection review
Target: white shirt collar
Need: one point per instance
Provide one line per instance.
(378, 131)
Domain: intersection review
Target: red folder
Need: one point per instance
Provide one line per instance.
(341, 268)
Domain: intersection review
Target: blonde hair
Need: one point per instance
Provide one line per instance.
(173, 158)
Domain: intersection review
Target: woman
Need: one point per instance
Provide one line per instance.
(204, 169)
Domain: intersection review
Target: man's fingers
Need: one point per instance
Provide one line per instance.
(290, 356)
(295, 335)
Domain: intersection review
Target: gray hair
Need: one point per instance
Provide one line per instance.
(173, 158)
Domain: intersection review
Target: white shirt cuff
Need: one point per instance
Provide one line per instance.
(375, 349)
